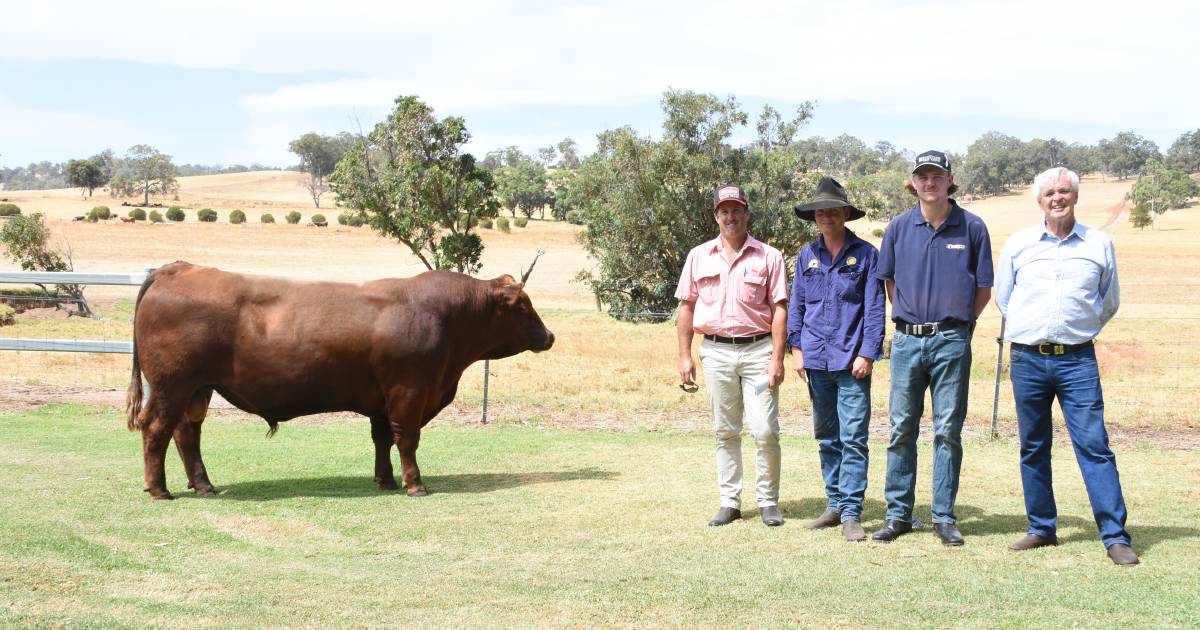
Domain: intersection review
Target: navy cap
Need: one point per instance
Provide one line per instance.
(932, 158)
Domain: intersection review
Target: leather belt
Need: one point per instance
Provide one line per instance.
(1053, 349)
(737, 341)
(927, 329)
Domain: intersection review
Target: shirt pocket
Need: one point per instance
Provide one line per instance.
(709, 287)
(754, 286)
(850, 284)
(814, 285)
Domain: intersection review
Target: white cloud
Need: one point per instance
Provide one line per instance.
(1074, 61)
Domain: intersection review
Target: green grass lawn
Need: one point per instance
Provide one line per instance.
(528, 527)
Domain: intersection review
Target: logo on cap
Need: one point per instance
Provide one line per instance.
(932, 158)
(729, 193)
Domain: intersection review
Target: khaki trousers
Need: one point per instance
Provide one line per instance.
(736, 379)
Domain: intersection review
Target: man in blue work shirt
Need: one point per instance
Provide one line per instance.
(1057, 286)
(835, 329)
(936, 263)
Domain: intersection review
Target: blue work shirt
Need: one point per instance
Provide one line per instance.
(836, 312)
(936, 271)
(1054, 290)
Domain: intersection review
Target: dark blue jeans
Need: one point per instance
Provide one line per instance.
(841, 420)
(940, 363)
(1075, 379)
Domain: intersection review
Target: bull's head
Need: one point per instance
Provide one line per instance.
(516, 325)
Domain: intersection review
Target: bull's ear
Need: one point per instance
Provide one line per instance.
(508, 294)
(505, 279)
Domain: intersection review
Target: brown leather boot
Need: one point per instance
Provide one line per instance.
(828, 518)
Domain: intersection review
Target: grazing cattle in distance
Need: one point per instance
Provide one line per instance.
(392, 350)
(127, 219)
(79, 218)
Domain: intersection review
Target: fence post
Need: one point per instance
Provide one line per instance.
(999, 367)
(483, 420)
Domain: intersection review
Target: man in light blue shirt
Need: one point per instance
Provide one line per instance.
(1056, 283)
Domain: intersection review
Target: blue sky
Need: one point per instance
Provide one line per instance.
(232, 82)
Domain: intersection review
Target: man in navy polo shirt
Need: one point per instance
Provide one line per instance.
(936, 264)
(835, 328)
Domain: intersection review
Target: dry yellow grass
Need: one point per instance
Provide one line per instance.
(622, 374)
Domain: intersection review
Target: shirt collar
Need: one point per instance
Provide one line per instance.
(751, 243)
(954, 218)
(1077, 230)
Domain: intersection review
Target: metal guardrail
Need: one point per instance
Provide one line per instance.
(70, 277)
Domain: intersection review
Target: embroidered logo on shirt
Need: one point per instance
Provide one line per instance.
(955, 246)
(812, 264)
(851, 260)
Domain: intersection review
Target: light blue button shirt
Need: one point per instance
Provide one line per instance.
(1057, 290)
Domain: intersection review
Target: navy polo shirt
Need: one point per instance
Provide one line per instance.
(936, 271)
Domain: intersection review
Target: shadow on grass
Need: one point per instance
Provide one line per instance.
(354, 487)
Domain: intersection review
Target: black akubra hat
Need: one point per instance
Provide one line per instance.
(830, 194)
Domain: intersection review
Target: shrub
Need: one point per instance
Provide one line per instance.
(8, 316)
(575, 217)
(267, 218)
(137, 214)
(207, 215)
(520, 222)
(99, 213)
(9, 210)
(344, 218)
(175, 214)
(485, 223)
(156, 216)
(502, 224)
(357, 220)
(877, 233)
(237, 217)
(318, 218)
(292, 217)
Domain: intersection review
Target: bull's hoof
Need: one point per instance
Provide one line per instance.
(417, 491)
(388, 486)
(162, 496)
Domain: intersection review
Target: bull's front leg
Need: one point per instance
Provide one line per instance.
(407, 440)
(381, 435)
(406, 409)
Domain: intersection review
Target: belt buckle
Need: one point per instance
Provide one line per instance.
(1056, 349)
(922, 328)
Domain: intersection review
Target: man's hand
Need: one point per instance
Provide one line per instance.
(861, 367)
(775, 371)
(798, 364)
(687, 369)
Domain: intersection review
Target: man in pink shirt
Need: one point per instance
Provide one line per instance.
(733, 290)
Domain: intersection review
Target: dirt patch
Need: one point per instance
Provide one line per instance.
(21, 397)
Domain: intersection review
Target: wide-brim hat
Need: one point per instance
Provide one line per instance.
(830, 194)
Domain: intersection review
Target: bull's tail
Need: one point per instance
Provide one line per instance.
(133, 396)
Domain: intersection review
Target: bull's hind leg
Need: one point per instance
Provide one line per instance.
(158, 421)
(187, 442)
(381, 434)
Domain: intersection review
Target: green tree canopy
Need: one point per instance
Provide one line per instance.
(1184, 154)
(1125, 154)
(1159, 189)
(147, 171)
(648, 202)
(523, 187)
(413, 183)
(26, 241)
(319, 155)
(86, 175)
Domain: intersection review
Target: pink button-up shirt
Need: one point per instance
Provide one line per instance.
(733, 299)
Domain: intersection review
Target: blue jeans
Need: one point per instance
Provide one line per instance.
(1075, 380)
(940, 363)
(841, 419)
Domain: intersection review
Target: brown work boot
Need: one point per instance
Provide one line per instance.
(828, 518)
(725, 516)
(1122, 555)
(852, 531)
(1033, 541)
